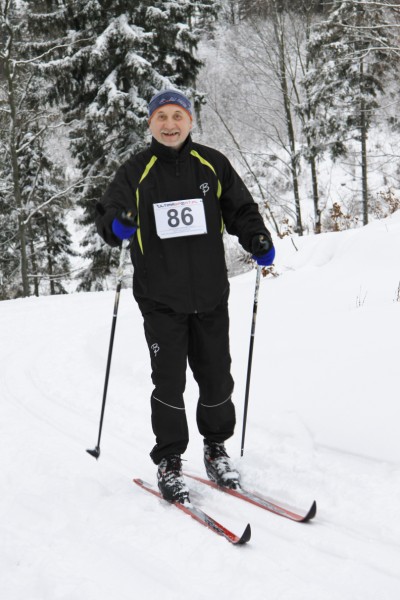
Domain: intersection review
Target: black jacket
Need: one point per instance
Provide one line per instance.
(186, 273)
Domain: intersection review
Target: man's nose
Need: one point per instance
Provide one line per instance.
(169, 123)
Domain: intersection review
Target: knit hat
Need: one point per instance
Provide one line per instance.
(169, 97)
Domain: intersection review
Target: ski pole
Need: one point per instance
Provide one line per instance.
(253, 329)
(120, 271)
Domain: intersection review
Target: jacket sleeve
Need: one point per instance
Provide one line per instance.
(239, 211)
(119, 196)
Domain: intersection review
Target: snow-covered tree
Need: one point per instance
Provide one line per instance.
(25, 124)
(50, 242)
(119, 53)
(249, 9)
(309, 149)
(251, 118)
(353, 50)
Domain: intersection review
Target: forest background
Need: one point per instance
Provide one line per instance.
(302, 96)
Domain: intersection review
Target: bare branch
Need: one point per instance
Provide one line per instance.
(78, 184)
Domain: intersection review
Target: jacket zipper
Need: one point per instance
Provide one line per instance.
(191, 284)
(177, 172)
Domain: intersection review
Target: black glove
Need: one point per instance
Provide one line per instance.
(126, 218)
(263, 250)
(261, 244)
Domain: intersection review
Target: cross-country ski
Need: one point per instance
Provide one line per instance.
(259, 500)
(201, 517)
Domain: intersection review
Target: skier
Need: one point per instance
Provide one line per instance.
(173, 201)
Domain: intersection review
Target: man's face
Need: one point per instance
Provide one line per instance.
(170, 125)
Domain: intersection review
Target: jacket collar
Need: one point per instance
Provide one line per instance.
(169, 154)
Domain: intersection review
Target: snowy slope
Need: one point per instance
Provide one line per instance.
(323, 423)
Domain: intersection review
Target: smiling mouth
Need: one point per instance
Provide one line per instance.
(173, 134)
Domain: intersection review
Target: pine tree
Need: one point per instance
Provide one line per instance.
(352, 52)
(284, 77)
(119, 53)
(24, 130)
(50, 242)
(310, 150)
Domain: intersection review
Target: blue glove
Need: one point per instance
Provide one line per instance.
(267, 259)
(263, 250)
(123, 226)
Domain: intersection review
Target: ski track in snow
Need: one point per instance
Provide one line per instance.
(72, 528)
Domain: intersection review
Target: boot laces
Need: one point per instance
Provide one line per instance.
(218, 465)
(170, 479)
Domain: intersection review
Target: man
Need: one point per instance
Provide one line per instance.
(174, 200)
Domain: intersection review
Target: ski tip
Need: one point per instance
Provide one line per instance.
(246, 535)
(311, 513)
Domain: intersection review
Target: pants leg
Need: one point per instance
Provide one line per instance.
(210, 361)
(167, 338)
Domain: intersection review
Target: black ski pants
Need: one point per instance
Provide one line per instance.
(202, 339)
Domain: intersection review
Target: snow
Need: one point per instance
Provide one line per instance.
(323, 423)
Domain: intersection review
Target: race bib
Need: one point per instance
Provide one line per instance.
(180, 218)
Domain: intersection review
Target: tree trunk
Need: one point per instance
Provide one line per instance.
(288, 118)
(50, 266)
(363, 131)
(312, 160)
(34, 268)
(315, 192)
(364, 171)
(364, 164)
(9, 73)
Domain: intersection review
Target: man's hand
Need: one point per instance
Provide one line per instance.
(263, 250)
(124, 226)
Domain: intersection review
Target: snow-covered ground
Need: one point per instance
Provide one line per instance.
(323, 423)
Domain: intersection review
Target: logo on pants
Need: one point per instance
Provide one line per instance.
(155, 348)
